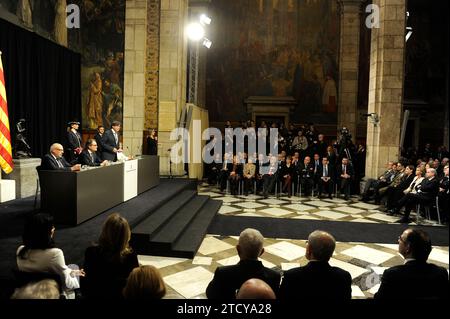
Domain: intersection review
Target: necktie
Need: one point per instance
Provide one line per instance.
(325, 171)
(58, 160)
(116, 138)
(92, 157)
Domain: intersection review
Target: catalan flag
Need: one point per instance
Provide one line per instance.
(6, 162)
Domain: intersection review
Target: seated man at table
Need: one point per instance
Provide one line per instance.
(56, 161)
(89, 155)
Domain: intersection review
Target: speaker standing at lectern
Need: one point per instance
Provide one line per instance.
(111, 142)
(56, 161)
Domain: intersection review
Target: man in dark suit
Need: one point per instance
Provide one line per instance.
(98, 138)
(345, 173)
(325, 178)
(89, 155)
(416, 279)
(395, 192)
(428, 190)
(228, 279)
(317, 280)
(306, 172)
(56, 161)
(111, 142)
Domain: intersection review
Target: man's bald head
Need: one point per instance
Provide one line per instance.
(321, 246)
(57, 150)
(255, 289)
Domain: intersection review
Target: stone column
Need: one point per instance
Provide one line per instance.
(172, 76)
(386, 85)
(134, 80)
(350, 11)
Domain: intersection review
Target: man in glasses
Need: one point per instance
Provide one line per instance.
(56, 161)
(415, 279)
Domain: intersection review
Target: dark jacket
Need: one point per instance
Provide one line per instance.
(73, 141)
(340, 171)
(89, 159)
(428, 189)
(106, 276)
(316, 280)
(404, 184)
(98, 138)
(414, 280)
(228, 279)
(108, 143)
(330, 174)
(49, 163)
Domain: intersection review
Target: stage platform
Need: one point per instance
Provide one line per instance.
(168, 220)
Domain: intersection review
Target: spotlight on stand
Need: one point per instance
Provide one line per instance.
(195, 31)
(204, 19)
(207, 43)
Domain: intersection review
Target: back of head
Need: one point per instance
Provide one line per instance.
(115, 236)
(144, 282)
(420, 244)
(321, 245)
(37, 233)
(250, 244)
(44, 289)
(255, 289)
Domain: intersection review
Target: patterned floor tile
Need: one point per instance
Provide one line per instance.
(365, 206)
(307, 217)
(383, 217)
(271, 201)
(319, 203)
(275, 211)
(228, 209)
(159, 262)
(191, 282)
(300, 207)
(235, 259)
(286, 250)
(211, 245)
(354, 271)
(249, 205)
(367, 254)
(330, 214)
(439, 255)
(289, 266)
(349, 210)
(357, 292)
(205, 261)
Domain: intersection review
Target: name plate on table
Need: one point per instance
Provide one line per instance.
(130, 181)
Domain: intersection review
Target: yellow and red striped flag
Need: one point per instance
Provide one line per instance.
(6, 162)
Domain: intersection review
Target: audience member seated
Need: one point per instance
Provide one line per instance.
(318, 279)
(443, 195)
(326, 182)
(372, 185)
(427, 190)
(228, 279)
(56, 161)
(144, 283)
(270, 176)
(213, 170)
(224, 173)
(394, 192)
(306, 172)
(397, 179)
(316, 164)
(89, 155)
(287, 174)
(38, 254)
(109, 263)
(255, 289)
(416, 279)
(44, 289)
(345, 173)
(249, 176)
(235, 175)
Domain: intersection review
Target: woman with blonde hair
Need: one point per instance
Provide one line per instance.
(144, 283)
(108, 263)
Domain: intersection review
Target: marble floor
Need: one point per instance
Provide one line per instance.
(311, 208)
(188, 278)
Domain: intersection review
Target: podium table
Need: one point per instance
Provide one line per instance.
(74, 197)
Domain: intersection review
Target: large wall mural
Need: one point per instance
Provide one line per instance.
(274, 48)
(100, 41)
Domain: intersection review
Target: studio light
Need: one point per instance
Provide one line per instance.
(207, 43)
(204, 19)
(195, 31)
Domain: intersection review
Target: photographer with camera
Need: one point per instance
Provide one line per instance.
(345, 144)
